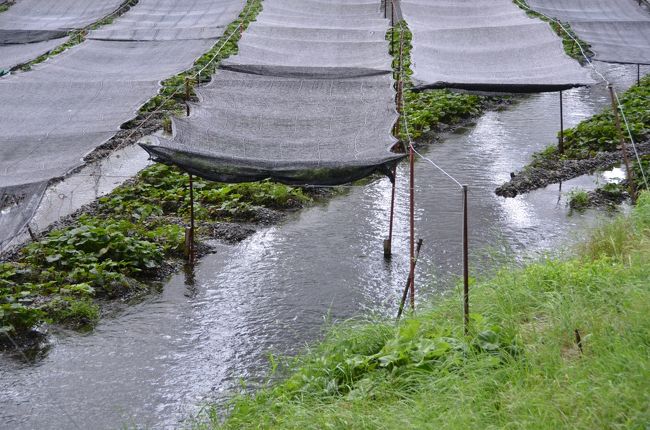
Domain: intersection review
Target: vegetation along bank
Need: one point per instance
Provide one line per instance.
(560, 343)
(593, 145)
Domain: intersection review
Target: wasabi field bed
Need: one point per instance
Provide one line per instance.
(118, 247)
(591, 146)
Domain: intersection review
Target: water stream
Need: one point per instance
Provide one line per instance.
(152, 364)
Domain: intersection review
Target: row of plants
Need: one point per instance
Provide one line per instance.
(119, 247)
(127, 240)
(5, 6)
(573, 45)
(559, 343)
(427, 111)
(75, 37)
(171, 98)
(599, 133)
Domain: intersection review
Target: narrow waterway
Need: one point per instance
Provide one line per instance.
(151, 365)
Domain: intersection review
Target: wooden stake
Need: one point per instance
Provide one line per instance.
(621, 138)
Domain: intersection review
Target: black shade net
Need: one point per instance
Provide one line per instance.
(69, 105)
(486, 45)
(31, 28)
(618, 31)
(307, 100)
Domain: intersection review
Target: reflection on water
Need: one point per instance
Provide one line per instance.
(210, 328)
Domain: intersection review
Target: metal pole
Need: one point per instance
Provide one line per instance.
(560, 146)
(638, 74)
(621, 137)
(408, 283)
(412, 222)
(388, 242)
(465, 262)
(191, 217)
(392, 25)
(187, 95)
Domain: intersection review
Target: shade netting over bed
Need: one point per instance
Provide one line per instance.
(31, 28)
(486, 45)
(618, 31)
(308, 100)
(65, 107)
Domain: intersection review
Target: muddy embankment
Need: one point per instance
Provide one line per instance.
(548, 171)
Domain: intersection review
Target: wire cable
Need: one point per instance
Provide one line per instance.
(604, 79)
(406, 124)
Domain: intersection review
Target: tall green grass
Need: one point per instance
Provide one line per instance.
(520, 366)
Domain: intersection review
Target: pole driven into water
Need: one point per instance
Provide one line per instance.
(560, 146)
(412, 223)
(623, 145)
(408, 282)
(189, 236)
(465, 261)
(389, 242)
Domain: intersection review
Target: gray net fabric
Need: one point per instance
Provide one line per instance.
(31, 28)
(486, 45)
(65, 107)
(308, 100)
(618, 31)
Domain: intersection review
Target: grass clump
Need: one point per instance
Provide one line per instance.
(427, 110)
(579, 199)
(556, 344)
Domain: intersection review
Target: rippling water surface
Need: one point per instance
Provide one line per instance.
(150, 365)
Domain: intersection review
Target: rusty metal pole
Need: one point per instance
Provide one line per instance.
(408, 282)
(392, 25)
(621, 137)
(388, 252)
(560, 146)
(465, 262)
(187, 95)
(412, 222)
(191, 236)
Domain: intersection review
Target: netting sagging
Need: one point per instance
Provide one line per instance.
(486, 45)
(69, 105)
(617, 31)
(307, 100)
(31, 28)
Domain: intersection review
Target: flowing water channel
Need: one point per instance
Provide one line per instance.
(153, 364)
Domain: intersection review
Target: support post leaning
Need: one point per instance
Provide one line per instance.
(408, 282)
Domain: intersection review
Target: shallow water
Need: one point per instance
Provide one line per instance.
(150, 365)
